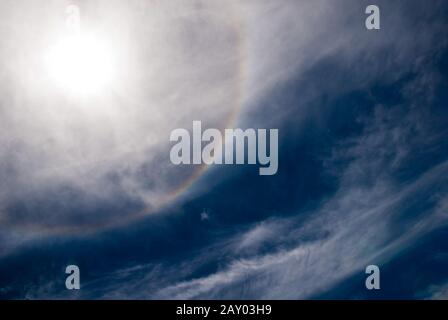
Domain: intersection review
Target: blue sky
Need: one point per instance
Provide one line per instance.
(363, 154)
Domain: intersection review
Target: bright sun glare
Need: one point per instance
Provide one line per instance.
(81, 64)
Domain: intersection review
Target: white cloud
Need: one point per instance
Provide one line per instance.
(190, 60)
(176, 65)
(437, 292)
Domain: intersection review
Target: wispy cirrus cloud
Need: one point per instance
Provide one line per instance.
(378, 207)
(202, 60)
(370, 217)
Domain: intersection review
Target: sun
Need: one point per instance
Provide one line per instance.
(81, 64)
